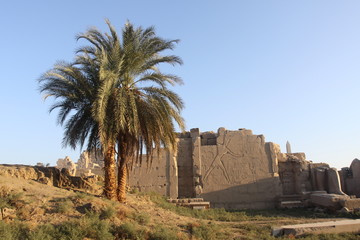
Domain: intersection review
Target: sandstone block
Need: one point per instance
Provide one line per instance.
(330, 201)
(340, 226)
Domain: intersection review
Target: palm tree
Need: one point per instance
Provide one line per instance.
(74, 87)
(134, 108)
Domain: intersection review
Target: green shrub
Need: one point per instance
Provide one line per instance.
(142, 218)
(162, 233)
(218, 214)
(108, 212)
(208, 231)
(134, 190)
(256, 231)
(13, 198)
(24, 213)
(64, 207)
(43, 232)
(70, 231)
(6, 231)
(15, 230)
(4, 203)
(80, 195)
(9, 199)
(129, 230)
(94, 227)
(89, 226)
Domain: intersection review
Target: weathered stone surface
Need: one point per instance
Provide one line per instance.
(91, 159)
(237, 172)
(90, 162)
(352, 178)
(273, 151)
(350, 204)
(320, 179)
(49, 175)
(155, 176)
(45, 180)
(330, 201)
(185, 168)
(340, 226)
(20, 171)
(299, 176)
(333, 180)
(68, 164)
(172, 174)
(295, 175)
(196, 159)
(207, 138)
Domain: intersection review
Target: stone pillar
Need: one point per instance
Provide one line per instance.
(196, 158)
(272, 152)
(172, 174)
(354, 184)
(343, 175)
(334, 181)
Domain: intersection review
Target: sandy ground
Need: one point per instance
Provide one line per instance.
(39, 203)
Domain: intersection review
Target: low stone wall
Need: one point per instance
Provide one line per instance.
(51, 176)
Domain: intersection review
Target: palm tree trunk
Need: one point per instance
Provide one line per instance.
(122, 180)
(110, 177)
(123, 157)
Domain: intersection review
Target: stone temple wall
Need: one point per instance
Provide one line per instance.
(231, 169)
(161, 175)
(237, 172)
(152, 177)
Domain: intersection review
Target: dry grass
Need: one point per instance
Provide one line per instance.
(45, 212)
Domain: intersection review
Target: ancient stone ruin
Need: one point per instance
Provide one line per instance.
(67, 164)
(52, 176)
(237, 170)
(89, 164)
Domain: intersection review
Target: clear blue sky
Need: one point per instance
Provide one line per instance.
(287, 69)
